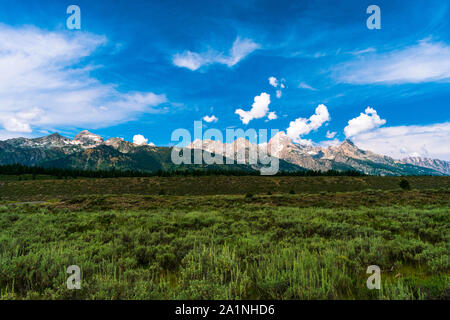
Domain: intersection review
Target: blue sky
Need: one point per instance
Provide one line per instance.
(150, 67)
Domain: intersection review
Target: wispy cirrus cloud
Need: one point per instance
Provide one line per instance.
(330, 134)
(426, 61)
(193, 60)
(363, 51)
(43, 85)
(304, 85)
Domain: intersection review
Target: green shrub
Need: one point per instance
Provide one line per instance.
(404, 184)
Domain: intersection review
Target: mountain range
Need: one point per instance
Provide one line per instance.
(89, 151)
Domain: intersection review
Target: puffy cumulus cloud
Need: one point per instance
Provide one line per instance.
(210, 119)
(272, 115)
(273, 82)
(279, 93)
(330, 135)
(193, 61)
(425, 61)
(303, 126)
(139, 139)
(259, 109)
(43, 83)
(432, 141)
(366, 121)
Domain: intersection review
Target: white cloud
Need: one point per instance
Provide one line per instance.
(364, 51)
(190, 60)
(424, 62)
(304, 142)
(329, 143)
(241, 48)
(366, 121)
(209, 119)
(272, 115)
(259, 109)
(42, 84)
(139, 139)
(273, 82)
(279, 93)
(193, 61)
(330, 135)
(5, 135)
(151, 144)
(303, 126)
(15, 125)
(432, 141)
(304, 85)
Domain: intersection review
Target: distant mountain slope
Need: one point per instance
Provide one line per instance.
(35, 151)
(89, 151)
(142, 158)
(342, 157)
(435, 164)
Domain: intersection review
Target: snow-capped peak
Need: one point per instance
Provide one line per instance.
(87, 139)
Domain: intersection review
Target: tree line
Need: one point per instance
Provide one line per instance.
(18, 169)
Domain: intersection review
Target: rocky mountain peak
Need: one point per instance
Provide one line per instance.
(88, 139)
(347, 149)
(241, 142)
(347, 143)
(54, 136)
(120, 144)
(207, 145)
(279, 144)
(53, 140)
(113, 140)
(281, 138)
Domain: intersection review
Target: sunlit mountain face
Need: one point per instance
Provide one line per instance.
(90, 151)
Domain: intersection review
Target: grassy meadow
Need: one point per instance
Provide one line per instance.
(225, 237)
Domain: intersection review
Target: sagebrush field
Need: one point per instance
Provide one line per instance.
(225, 237)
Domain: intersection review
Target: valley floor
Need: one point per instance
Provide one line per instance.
(314, 245)
(25, 188)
